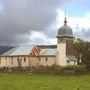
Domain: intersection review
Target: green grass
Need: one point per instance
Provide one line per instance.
(20, 81)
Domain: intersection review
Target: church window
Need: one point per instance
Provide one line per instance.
(18, 59)
(46, 59)
(11, 60)
(24, 59)
(68, 61)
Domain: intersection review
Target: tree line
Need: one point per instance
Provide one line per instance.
(82, 51)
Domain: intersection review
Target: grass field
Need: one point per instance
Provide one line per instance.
(19, 81)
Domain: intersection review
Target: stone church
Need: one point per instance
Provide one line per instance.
(61, 54)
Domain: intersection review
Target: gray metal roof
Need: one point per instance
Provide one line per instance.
(19, 50)
(48, 52)
(71, 57)
(65, 31)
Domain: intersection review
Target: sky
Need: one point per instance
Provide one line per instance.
(37, 21)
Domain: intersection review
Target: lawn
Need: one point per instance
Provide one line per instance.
(20, 81)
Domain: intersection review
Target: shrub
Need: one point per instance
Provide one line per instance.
(80, 69)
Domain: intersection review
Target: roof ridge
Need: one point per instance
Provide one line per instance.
(26, 45)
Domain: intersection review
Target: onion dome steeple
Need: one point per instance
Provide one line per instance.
(65, 30)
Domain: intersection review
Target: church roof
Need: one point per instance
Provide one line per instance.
(65, 31)
(4, 49)
(48, 52)
(71, 57)
(19, 50)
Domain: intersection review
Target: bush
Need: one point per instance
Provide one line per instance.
(52, 69)
(80, 69)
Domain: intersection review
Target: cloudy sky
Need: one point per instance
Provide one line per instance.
(38, 21)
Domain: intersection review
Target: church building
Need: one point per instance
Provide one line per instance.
(34, 56)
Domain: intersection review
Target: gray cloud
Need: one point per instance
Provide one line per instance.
(83, 34)
(20, 17)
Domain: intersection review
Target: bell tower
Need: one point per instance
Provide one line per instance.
(64, 44)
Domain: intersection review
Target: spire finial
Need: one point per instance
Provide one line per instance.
(65, 21)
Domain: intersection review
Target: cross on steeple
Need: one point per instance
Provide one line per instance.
(65, 21)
